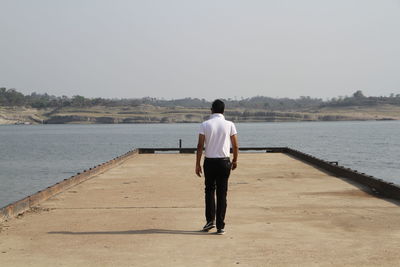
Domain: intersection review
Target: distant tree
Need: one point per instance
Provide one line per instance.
(78, 101)
(3, 96)
(11, 97)
(358, 94)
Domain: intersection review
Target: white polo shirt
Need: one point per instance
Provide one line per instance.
(217, 132)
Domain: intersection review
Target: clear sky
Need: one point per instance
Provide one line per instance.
(205, 49)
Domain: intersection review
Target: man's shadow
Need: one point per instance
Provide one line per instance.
(133, 232)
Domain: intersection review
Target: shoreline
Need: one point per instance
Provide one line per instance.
(152, 114)
(193, 122)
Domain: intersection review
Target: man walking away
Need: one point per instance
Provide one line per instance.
(217, 134)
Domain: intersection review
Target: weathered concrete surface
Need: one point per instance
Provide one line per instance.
(29, 202)
(147, 212)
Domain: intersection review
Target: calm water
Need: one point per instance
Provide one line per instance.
(34, 157)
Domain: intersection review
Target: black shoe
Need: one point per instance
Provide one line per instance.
(220, 232)
(208, 226)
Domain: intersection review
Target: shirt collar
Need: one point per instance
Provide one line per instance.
(216, 115)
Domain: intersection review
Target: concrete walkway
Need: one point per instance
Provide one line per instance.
(148, 210)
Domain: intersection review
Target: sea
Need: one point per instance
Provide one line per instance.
(33, 157)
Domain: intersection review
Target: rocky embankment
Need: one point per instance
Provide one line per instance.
(20, 115)
(77, 119)
(151, 114)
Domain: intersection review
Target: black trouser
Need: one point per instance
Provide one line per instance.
(216, 172)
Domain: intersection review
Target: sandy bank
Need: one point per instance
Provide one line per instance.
(152, 114)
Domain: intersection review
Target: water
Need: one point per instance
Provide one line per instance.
(34, 157)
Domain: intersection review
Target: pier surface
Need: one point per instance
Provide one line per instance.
(148, 211)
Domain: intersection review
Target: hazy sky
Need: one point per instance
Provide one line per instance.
(205, 49)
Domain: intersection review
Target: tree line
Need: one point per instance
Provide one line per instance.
(11, 97)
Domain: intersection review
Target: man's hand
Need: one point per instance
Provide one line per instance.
(234, 165)
(200, 145)
(198, 170)
(235, 148)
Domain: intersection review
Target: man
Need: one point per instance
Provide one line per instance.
(217, 134)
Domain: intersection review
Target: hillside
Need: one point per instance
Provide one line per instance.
(155, 114)
(17, 108)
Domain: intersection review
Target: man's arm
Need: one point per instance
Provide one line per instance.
(235, 149)
(200, 145)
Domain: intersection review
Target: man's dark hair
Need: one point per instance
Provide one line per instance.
(218, 106)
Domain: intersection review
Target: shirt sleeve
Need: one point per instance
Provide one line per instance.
(201, 130)
(233, 129)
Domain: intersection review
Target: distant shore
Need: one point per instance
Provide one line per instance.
(154, 114)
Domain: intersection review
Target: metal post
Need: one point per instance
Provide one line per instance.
(180, 143)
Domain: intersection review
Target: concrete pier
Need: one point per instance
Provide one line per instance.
(148, 211)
